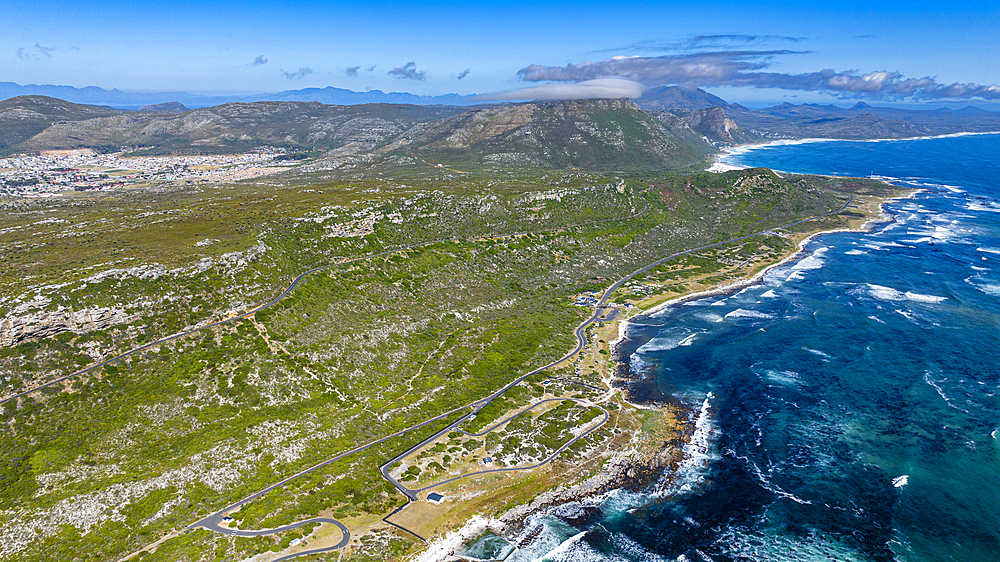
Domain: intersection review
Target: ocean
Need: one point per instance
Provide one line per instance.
(849, 401)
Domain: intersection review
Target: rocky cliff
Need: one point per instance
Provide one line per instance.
(15, 330)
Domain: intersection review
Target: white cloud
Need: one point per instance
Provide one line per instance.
(606, 87)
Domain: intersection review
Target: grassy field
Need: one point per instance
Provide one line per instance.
(108, 462)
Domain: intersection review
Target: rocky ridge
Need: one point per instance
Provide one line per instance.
(15, 330)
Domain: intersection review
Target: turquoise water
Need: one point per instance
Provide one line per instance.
(851, 407)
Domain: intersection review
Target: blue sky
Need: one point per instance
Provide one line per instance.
(752, 53)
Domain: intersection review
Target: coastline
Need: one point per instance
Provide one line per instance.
(653, 470)
(734, 286)
(718, 166)
(622, 376)
(647, 463)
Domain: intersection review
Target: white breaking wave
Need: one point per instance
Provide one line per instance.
(756, 546)
(698, 452)
(786, 378)
(884, 293)
(769, 294)
(991, 289)
(810, 262)
(818, 352)
(940, 391)
(883, 245)
(633, 550)
(771, 487)
(855, 252)
(637, 365)
(813, 261)
(989, 250)
(901, 481)
(917, 297)
(709, 317)
(564, 548)
(989, 207)
(666, 343)
(743, 313)
(659, 344)
(938, 233)
(688, 340)
(575, 549)
(766, 482)
(552, 538)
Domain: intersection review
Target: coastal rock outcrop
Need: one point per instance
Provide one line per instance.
(714, 124)
(15, 330)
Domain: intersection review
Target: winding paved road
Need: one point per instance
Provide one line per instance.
(581, 336)
(604, 418)
(412, 494)
(213, 521)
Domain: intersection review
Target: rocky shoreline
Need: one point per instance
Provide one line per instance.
(648, 465)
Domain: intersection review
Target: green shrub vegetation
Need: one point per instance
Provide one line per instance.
(355, 352)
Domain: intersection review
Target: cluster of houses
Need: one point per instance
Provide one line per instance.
(52, 172)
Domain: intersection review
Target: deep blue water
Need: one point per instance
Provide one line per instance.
(852, 397)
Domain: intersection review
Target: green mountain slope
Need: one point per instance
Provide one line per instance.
(26, 116)
(587, 134)
(232, 127)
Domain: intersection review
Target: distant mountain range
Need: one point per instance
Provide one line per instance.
(657, 99)
(667, 127)
(93, 95)
(32, 123)
(862, 121)
(604, 134)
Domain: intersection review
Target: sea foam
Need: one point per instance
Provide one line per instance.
(663, 343)
(743, 313)
(884, 293)
(930, 299)
(989, 207)
(813, 261)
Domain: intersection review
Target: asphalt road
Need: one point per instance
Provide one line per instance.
(607, 294)
(412, 494)
(213, 521)
(581, 337)
(604, 418)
